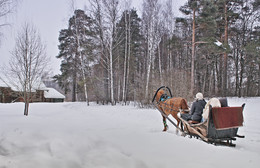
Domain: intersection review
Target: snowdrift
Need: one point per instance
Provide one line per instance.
(74, 135)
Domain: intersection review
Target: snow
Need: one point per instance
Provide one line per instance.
(53, 93)
(218, 43)
(74, 135)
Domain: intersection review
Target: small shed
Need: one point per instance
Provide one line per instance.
(52, 95)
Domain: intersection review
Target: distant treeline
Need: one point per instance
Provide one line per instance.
(111, 54)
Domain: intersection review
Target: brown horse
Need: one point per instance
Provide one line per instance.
(171, 106)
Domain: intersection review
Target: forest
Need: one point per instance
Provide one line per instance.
(112, 53)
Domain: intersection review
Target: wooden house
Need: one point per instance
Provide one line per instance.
(9, 93)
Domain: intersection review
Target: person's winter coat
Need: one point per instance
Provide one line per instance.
(197, 109)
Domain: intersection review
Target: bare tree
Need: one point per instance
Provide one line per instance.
(27, 64)
(112, 14)
(106, 14)
(168, 16)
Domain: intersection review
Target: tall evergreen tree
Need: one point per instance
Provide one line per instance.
(76, 47)
(244, 48)
(227, 16)
(206, 54)
(191, 8)
(130, 47)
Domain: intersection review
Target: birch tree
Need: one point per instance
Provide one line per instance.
(151, 9)
(111, 11)
(96, 12)
(106, 14)
(168, 16)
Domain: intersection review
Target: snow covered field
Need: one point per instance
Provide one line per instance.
(74, 135)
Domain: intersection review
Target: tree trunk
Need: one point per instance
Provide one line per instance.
(111, 71)
(129, 55)
(74, 83)
(241, 75)
(150, 55)
(85, 88)
(148, 73)
(170, 69)
(84, 77)
(118, 90)
(26, 108)
(106, 86)
(149, 65)
(224, 92)
(192, 55)
(236, 71)
(160, 65)
(26, 104)
(125, 60)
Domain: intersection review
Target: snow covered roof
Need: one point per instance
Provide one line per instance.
(16, 86)
(53, 93)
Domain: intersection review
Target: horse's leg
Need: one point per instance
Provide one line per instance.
(165, 124)
(174, 114)
(178, 123)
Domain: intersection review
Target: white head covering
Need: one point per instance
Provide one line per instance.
(199, 96)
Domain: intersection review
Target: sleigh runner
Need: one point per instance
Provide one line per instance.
(221, 127)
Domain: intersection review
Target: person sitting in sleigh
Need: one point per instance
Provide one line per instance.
(196, 111)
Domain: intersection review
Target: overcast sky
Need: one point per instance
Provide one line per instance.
(49, 17)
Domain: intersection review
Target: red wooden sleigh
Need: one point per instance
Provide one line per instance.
(221, 127)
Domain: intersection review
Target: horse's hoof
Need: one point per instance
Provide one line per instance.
(165, 129)
(177, 132)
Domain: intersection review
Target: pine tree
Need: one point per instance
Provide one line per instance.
(130, 51)
(76, 47)
(190, 8)
(206, 54)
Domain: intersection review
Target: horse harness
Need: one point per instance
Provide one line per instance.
(162, 100)
(164, 97)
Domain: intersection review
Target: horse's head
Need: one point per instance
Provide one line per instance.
(159, 94)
